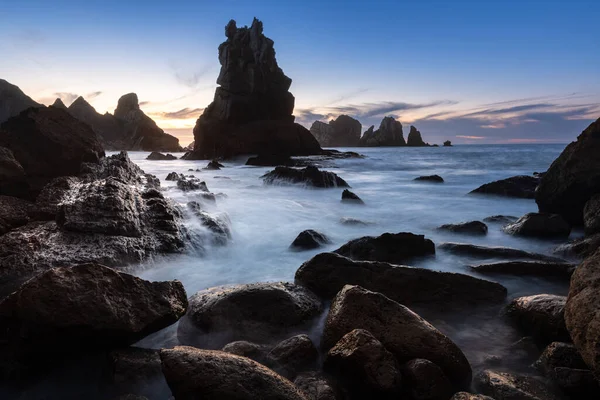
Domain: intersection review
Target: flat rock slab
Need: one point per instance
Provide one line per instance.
(528, 268)
(494, 252)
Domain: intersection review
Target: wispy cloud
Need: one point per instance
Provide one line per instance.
(92, 95)
(192, 77)
(66, 97)
(470, 137)
(184, 113)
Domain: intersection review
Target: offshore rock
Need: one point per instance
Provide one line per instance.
(388, 134)
(344, 131)
(414, 138)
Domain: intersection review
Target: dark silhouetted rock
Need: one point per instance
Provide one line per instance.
(174, 176)
(156, 156)
(539, 225)
(430, 178)
(14, 212)
(253, 351)
(190, 183)
(256, 312)
(85, 307)
(505, 386)
(494, 252)
(344, 131)
(350, 197)
(327, 273)
(309, 239)
(502, 219)
(426, 381)
(310, 176)
(541, 316)
(447, 143)
(389, 134)
(395, 248)
(13, 101)
(108, 129)
(265, 160)
(364, 366)
(137, 370)
(521, 186)
(591, 215)
(12, 175)
(252, 109)
(406, 335)
(58, 103)
(292, 356)
(414, 138)
(528, 268)
(579, 248)
(470, 228)
(214, 165)
(215, 375)
(317, 386)
(573, 178)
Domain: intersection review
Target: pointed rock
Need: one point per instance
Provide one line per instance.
(58, 103)
(414, 138)
(13, 101)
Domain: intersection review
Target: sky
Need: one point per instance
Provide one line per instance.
(467, 71)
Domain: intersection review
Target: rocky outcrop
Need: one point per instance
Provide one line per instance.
(522, 186)
(344, 131)
(327, 273)
(308, 240)
(414, 138)
(470, 228)
(540, 316)
(214, 375)
(579, 248)
(256, 312)
(447, 143)
(403, 333)
(85, 307)
(13, 101)
(539, 269)
(505, 386)
(310, 176)
(509, 253)
(252, 108)
(539, 225)
(573, 178)
(58, 103)
(156, 156)
(430, 178)
(351, 197)
(389, 134)
(395, 248)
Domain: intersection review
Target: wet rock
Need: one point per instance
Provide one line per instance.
(353, 222)
(214, 165)
(137, 371)
(579, 248)
(573, 178)
(430, 178)
(327, 273)
(174, 176)
(66, 310)
(253, 351)
(265, 160)
(390, 247)
(581, 311)
(117, 166)
(218, 225)
(522, 186)
(505, 386)
(447, 143)
(364, 365)
(350, 197)
(258, 312)
(53, 195)
(470, 228)
(344, 131)
(591, 215)
(389, 134)
(156, 156)
(414, 138)
(214, 375)
(540, 269)
(406, 335)
(14, 212)
(502, 219)
(188, 184)
(539, 225)
(12, 175)
(310, 176)
(426, 381)
(541, 316)
(317, 386)
(308, 240)
(292, 356)
(494, 252)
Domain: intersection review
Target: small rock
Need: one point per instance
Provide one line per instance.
(292, 356)
(471, 228)
(505, 386)
(539, 225)
(353, 222)
(430, 178)
(214, 165)
(426, 381)
(390, 247)
(447, 143)
(502, 219)
(541, 316)
(350, 197)
(189, 184)
(174, 176)
(156, 156)
(310, 176)
(308, 240)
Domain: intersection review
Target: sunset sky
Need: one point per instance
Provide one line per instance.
(468, 71)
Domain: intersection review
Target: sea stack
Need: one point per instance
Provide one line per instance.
(252, 109)
(389, 134)
(414, 138)
(344, 131)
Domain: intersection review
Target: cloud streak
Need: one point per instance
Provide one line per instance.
(184, 113)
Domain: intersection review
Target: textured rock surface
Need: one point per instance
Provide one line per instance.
(13, 101)
(414, 138)
(541, 316)
(473, 250)
(532, 268)
(310, 176)
(425, 381)
(573, 178)
(253, 351)
(389, 134)
(317, 386)
(309, 239)
(292, 356)
(258, 312)
(504, 386)
(137, 370)
(252, 109)
(14, 212)
(344, 131)
(521, 186)
(579, 248)
(327, 273)
(394, 248)
(539, 225)
(406, 335)
(471, 228)
(591, 215)
(214, 375)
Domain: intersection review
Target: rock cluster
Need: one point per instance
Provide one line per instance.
(344, 131)
(388, 134)
(521, 186)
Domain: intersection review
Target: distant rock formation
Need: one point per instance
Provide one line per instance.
(389, 134)
(13, 101)
(107, 127)
(252, 108)
(414, 138)
(58, 103)
(341, 132)
(447, 143)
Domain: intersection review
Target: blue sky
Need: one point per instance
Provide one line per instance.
(468, 71)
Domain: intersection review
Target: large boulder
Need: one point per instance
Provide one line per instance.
(214, 375)
(505, 386)
(573, 178)
(310, 176)
(469, 228)
(394, 248)
(540, 316)
(591, 215)
(581, 311)
(539, 225)
(414, 138)
(258, 312)
(344, 131)
(252, 109)
(406, 335)
(89, 306)
(388, 134)
(521, 186)
(13, 101)
(424, 380)
(327, 273)
(292, 356)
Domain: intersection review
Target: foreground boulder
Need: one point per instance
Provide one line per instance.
(258, 312)
(214, 375)
(505, 386)
(528, 268)
(156, 156)
(350, 197)
(311, 176)
(540, 316)
(406, 335)
(137, 370)
(252, 108)
(424, 380)
(390, 247)
(308, 240)
(327, 273)
(581, 311)
(292, 356)
(470, 228)
(473, 250)
(318, 386)
(522, 186)
(344, 131)
(388, 134)
(86, 307)
(539, 225)
(573, 178)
